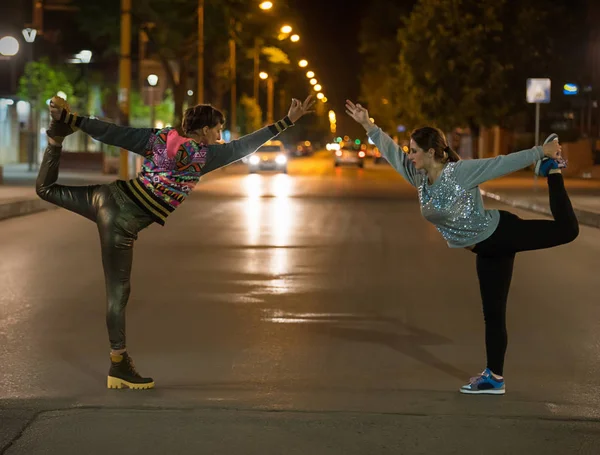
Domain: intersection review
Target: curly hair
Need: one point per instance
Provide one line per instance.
(199, 116)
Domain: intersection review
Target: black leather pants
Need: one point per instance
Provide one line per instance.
(118, 219)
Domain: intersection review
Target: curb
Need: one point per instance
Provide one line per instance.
(23, 207)
(584, 217)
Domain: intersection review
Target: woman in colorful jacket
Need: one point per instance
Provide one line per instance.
(173, 164)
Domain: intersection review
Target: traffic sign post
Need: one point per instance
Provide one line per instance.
(538, 92)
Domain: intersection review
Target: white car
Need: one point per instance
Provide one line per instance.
(271, 156)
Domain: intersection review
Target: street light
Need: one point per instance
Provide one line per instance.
(270, 89)
(320, 96)
(313, 81)
(324, 99)
(332, 121)
(257, 50)
(303, 63)
(152, 80)
(317, 87)
(84, 56)
(29, 34)
(310, 74)
(295, 38)
(286, 29)
(9, 46)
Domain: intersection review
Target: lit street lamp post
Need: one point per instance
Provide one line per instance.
(153, 81)
(84, 57)
(270, 87)
(30, 34)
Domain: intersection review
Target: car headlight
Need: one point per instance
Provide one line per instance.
(254, 160)
(281, 159)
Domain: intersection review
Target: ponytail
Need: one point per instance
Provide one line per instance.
(450, 155)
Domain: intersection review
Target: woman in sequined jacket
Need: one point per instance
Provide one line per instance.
(173, 165)
(449, 196)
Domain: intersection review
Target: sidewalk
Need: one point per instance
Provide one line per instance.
(522, 190)
(17, 193)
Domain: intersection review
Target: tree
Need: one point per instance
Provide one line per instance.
(171, 26)
(41, 81)
(465, 63)
(249, 115)
(449, 62)
(462, 63)
(140, 112)
(379, 47)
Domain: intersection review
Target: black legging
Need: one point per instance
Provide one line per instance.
(118, 220)
(495, 258)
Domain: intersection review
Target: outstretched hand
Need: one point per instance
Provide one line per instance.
(357, 112)
(299, 109)
(57, 104)
(552, 149)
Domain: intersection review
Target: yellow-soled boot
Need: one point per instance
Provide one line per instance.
(123, 375)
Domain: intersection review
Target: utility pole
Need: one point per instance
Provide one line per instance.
(256, 67)
(200, 88)
(270, 89)
(125, 80)
(232, 76)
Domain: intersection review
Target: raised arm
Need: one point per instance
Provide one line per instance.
(223, 154)
(133, 139)
(388, 148)
(471, 173)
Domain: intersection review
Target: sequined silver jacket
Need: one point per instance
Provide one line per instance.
(453, 203)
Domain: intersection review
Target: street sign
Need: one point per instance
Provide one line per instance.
(570, 89)
(538, 91)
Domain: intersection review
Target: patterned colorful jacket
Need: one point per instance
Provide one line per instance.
(173, 164)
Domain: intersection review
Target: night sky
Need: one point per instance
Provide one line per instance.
(330, 32)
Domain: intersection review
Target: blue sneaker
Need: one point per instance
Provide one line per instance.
(545, 165)
(484, 384)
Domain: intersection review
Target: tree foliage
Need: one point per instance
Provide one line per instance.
(249, 115)
(41, 81)
(465, 63)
